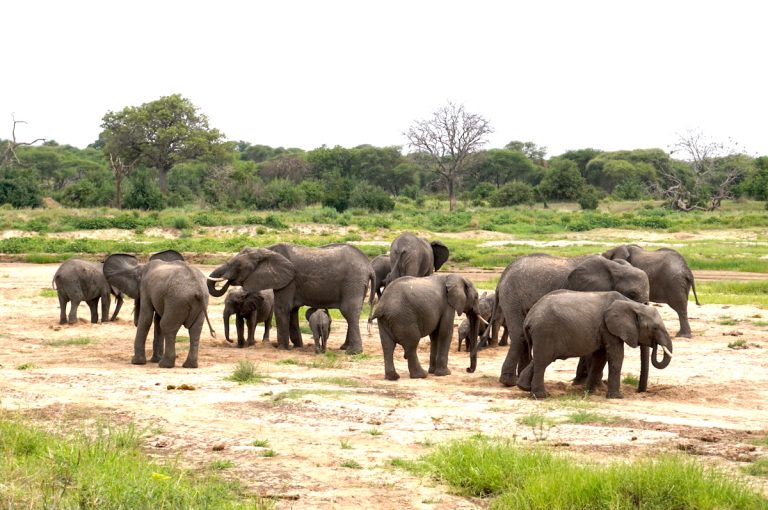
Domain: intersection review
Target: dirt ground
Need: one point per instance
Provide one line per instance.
(317, 420)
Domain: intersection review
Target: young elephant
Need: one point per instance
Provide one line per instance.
(412, 308)
(78, 280)
(320, 324)
(567, 324)
(464, 331)
(249, 308)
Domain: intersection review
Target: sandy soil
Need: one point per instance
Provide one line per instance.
(316, 419)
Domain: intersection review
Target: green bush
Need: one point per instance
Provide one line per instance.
(313, 191)
(144, 192)
(337, 192)
(512, 193)
(370, 197)
(282, 194)
(589, 198)
(20, 192)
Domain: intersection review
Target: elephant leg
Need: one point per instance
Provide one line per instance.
(250, 323)
(93, 306)
(73, 311)
(645, 356)
(157, 341)
(682, 316)
(388, 349)
(194, 342)
(525, 378)
(282, 316)
(62, 309)
(295, 332)
(240, 330)
(615, 355)
(509, 369)
(596, 365)
(441, 343)
(105, 302)
(582, 371)
(494, 334)
(143, 324)
(414, 367)
(118, 305)
(267, 326)
(538, 389)
(351, 313)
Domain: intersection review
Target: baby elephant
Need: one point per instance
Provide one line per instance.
(568, 324)
(320, 324)
(78, 280)
(464, 331)
(249, 308)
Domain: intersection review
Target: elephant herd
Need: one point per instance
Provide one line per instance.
(549, 307)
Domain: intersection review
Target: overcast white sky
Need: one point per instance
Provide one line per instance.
(564, 74)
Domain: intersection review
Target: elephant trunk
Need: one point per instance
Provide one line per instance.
(474, 327)
(211, 282)
(666, 346)
(645, 353)
(226, 326)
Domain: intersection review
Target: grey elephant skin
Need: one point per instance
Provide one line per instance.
(320, 325)
(381, 265)
(249, 309)
(415, 256)
(170, 294)
(566, 324)
(488, 304)
(78, 280)
(530, 277)
(412, 308)
(332, 276)
(669, 275)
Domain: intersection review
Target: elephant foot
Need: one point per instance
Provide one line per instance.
(166, 363)
(418, 375)
(250, 343)
(503, 343)
(391, 376)
(344, 346)
(614, 394)
(299, 343)
(63, 321)
(683, 334)
(73, 321)
(190, 364)
(284, 347)
(441, 371)
(240, 345)
(354, 350)
(139, 360)
(538, 395)
(579, 381)
(265, 339)
(154, 359)
(508, 379)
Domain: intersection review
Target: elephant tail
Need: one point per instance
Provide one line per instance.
(53, 282)
(372, 281)
(693, 286)
(210, 328)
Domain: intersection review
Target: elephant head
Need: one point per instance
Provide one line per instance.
(622, 252)
(254, 269)
(600, 274)
(638, 324)
(463, 297)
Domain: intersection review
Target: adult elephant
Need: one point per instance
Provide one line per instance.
(169, 293)
(412, 308)
(410, 255)
(530, 277)
(669, 275)
(565, 324)
(332, 276)
(79, 280)
(381, 265)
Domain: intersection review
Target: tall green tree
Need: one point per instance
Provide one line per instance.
(160, 134)
(448, 139)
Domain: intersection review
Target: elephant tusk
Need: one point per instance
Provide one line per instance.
(667, 352)
(217, 279)
(482, 320)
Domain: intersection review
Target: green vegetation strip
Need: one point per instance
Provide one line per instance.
(102, 468)
(531, 479)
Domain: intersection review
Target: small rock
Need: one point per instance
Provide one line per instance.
(187, 387)
(170, 387)
(218, 447)
(634, 438)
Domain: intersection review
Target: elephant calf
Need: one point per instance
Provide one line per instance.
(249, 308)
(78, 280)
(320, 324)
(567, 324)
(464, 332)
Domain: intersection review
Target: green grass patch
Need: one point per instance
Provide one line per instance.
(261, 443)
(26, 366)
(630, 379)
(296, 393)
(345, 445)
(374, 432)
(80, 340)
(536, 420)
(727, 321)
(579, 417)
(329, 359)
(738, 344)
(757, 468)
(102, 467)
(49, 293)
(287, 361)
(338, 381)
(245, 373)
(534, 478)
(731, 292)
(269, 453)
(351, 464)
(221, 465)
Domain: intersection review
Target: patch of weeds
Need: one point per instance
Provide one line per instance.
(540, 425)
(221, 465)
(727, 321)
(588, 417)
(287, 361)
(48, 293)
(374, 432)
(299, 393)
(738, 344)
(401, 463)
(345, 445)
(181, 339)
(338, 381)
(761, 441)
(427, 443)
(245, 373)
(328, 359)
(261, 443)
(631, 379)
(269, 453)
(26, 366)
(80, 340)
(757, 468)
(351, 464)
(359, 357)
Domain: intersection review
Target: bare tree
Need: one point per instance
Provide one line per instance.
(714, 170)
(449, 138)
(9, 154)
(120, 170)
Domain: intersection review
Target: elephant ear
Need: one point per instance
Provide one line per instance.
(591, 275)
(270, 270)
(621, 321)
(440, 253)
(123, 272)
(167, 255)
(618, 253)
(457, 294)
(309, 312)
